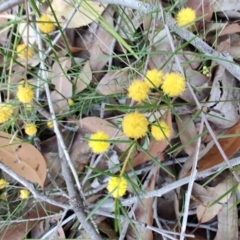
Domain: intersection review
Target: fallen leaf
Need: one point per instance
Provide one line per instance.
(27, 33)
(222, 101)
(206, 213)
(228, 221)
(87, 13)
(100, 51)
(94, 124)
(23, 158)
(226, 5)
(63, 86)
(113, 82)
(83, 79)
(229, 145)
(190, 132)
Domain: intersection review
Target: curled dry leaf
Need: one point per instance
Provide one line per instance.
(63, 86)
(83, 79)
(113, 82)
(23, 158)
(94, 124)
(222, 101)
(87, 13)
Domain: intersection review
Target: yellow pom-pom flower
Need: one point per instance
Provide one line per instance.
(135, 125)
(174, 84)
(138, 90)
(100, 145)
(6, 111)
(4, 196)
(117, 186)
(25, 94)
(45, 24)
(24, 194)
(161, 131)
(186, 17)
(24, 52)
(30, 129)
(70, 102)
(50, 124)
(3, 183)
(154, 78)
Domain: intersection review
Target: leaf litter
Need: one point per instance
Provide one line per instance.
(88, 71)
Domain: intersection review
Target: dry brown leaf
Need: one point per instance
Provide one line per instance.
(229, 145)
(84, 78)
(190, 132)
(155, 148)
(144, 212)
(100, 50)
(63, 86)
(113, 82)
(228, 221)
(87, 13)
(206, 213)
(94, 124)
(23, 158)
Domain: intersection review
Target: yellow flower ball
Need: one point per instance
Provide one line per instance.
(135, 125)
(3, 183)
(99, 146)
(6, 111)
(186, 17)
(24, 52)
(45, 24)
(30, 129)
(138, 90)
(174, 84)
(4, 196)
(117, 186)
(25, 94)
(50, 124)
(24, 193)
(154, 78)
(70, 102)
(161, 131)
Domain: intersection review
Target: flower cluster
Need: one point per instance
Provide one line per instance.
(135, 125)
(160, 130)
(98, 142)
(6, 111)
(30, 129)
(45, 24)
(117, 186)
(3, 183)
(24, 194)
(186, 17)
(174, 84)
(25, 93)
(24, 52)
(138, 90)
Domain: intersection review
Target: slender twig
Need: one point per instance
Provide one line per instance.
(190, 185)
(31, 188)
(76, 202)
